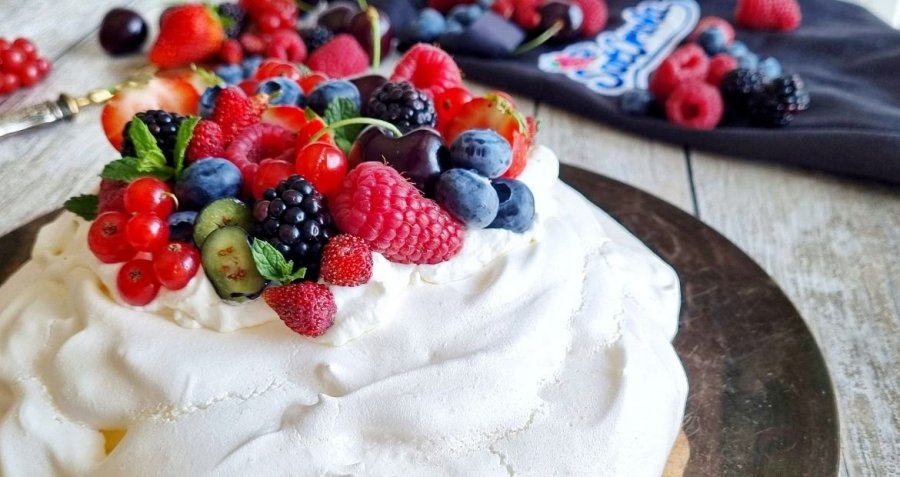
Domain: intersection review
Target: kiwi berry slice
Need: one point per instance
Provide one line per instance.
(229, 264)
(222, 213)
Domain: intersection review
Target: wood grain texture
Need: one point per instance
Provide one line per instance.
(832, 244)
(648, 165)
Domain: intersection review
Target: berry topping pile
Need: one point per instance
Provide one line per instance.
(20, 65)
(283, 173)
(714, 79)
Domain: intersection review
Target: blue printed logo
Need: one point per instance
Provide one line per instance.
(622, 59)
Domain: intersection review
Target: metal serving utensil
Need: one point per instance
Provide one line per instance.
(64, 107)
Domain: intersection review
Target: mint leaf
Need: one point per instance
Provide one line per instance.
(85, 206)
(272, 265)
(127, 169)
(182, 139)
(340, 109)
(150, 156)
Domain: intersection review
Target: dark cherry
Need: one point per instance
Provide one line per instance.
(420, 155)
(563, 11)
(122, 31)
(361, 29)
(368, 84)
(337, 17)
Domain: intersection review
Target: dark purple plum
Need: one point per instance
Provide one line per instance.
(419, 155)
(337, 17)
(122, 31)
(361, 29)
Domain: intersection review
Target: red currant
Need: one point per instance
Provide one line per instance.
(322, 164)
(149, 195)
(43, 66)
(310, 129)
(8, 83)
(447, 104)
(13, 60)
(26, 47)
(147, 233)
(176, 264)
(4, 44)
(269, 174)
(29, 75)
(137, 282)
(106, 238)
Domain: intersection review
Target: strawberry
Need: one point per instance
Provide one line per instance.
(498, 113)
(778, 15)
(189, 34)
(199, 78)
(346, 261)
(291, 118)
(428, 68)
(172, 95)
(308, 308)
(206, 142)
(234, 112)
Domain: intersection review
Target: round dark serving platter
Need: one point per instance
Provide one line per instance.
(761, 401)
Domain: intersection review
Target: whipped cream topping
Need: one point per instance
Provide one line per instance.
(535, 354)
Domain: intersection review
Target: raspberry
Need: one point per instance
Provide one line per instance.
(307, 308)
(375, 203)
(112, 196)
(719, 66)
(695, 105)
(402, 105)
(779, 15)
(428, 68)
(347, 261)
(252, 43)
(595, 16)
(686, 64)
(206, 142)
(164, 127)
(253, 145)
(706, 23)
(231, 52)
(340, 57)
(234, 112)
(286, 45)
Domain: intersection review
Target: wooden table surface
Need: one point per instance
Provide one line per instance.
(833, 244)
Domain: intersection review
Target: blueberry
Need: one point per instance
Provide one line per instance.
(712, 40)
(208, 100)
(428, 26)
(205, 181)
(454, 27)
(636, 102)
(770, 68)
(747, 61)
(282, 91)
(516, 210)
(482, 150)
(250, 65)
(181, 225)
(465, 14)
(329, 91)
(738, 48)
(467, 196)
(230, 74)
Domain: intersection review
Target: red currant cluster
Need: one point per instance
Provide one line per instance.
(139, 236)
(20, 65)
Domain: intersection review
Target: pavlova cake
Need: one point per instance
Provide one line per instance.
(388, 280)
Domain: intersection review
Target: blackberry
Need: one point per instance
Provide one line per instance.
(234, 19)
(778, 102)
(401, 105)
(315, 37)
(294, 218)
(164, 127)
(737, 86)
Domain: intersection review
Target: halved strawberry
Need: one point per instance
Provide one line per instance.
(291, 118)
(172, 95)
(496, 112)
(189, 34)
(199, 78)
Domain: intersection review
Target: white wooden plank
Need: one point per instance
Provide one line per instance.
(653, 166)
(832, 245)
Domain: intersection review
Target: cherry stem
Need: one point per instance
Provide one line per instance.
(541, 39)
(363, 4)
(354, 121)
(372, 13)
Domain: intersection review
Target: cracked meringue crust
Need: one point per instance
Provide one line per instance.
(550, 355)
